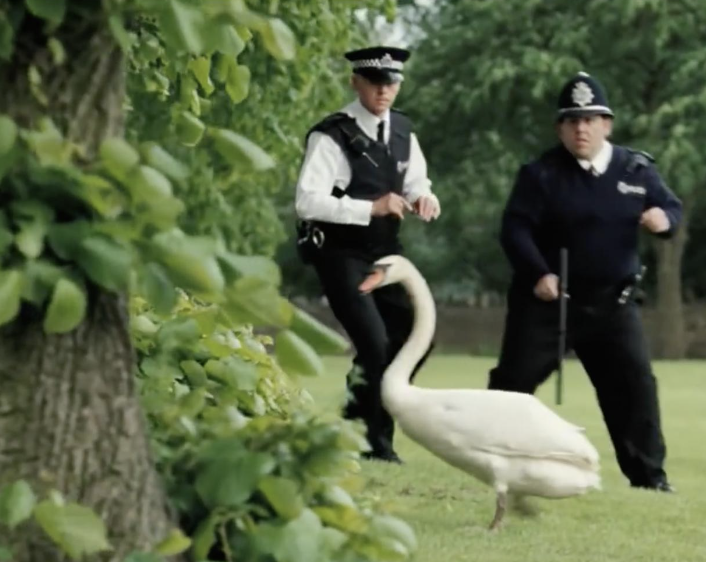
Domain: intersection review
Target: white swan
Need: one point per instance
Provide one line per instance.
(508, 440)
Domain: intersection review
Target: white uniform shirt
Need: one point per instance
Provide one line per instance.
(325, 166)
(600, 162)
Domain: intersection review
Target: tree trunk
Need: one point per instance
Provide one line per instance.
(672, 338)
(70, 418)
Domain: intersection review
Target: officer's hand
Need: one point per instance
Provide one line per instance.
(547, 288)
(427, 208)
(655, 220)
(390, 204)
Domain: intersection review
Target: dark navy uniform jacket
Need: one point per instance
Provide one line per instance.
(555, 202)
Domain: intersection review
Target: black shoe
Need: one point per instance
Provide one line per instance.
(385, 456)
(665, 486)
(661, 486)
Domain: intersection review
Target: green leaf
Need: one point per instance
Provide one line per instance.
(178, 332)
(5, 554)
(238, 83)
(181, 24)
(51, 10)
(279, 39)
(233, 372)
(195, 372)
(338, 496)
(17, 501)
(250, 300)
(120, 34)
(235, 266)
(65, 238)
(201, 67)
(76, 529)
(48, 144)
(33, 219)
(148, 184)
(296, 356)
(225, 39)
(192, 404)
(157, 288)
(333, 539)
(204, 537)
(323, 339)
(8, 134)
(175, 543)
(190, 262)
(143, 557)
(104, 196)
(396, 530)
(10, 294)
(6, 240)
(240, 151)
(119, 157)
(7, 38)
(161, 160)
(283, 496)
(142, 325)
(189, 128)
(67, 307)
(343, 517)
(105, 261)
(230, 480)
(57, 51)
(300, 539)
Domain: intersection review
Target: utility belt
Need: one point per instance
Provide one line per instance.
(375, 240)
(310, 240)
(608, 298)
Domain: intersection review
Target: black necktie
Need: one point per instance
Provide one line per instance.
(381, 132)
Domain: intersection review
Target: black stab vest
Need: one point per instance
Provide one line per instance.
(376, 169)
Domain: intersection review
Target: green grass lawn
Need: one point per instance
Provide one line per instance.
(450, 510)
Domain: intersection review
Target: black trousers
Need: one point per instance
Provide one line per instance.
(611, 346)
(378, 325)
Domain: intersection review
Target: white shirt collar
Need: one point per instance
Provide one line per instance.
(366, 120)
(600, 161)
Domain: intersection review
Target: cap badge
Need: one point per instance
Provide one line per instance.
(582, 94)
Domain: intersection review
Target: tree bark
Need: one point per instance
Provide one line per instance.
(672, 337)
(70, 420)
(70, 417)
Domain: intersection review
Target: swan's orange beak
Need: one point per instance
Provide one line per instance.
(372, 281)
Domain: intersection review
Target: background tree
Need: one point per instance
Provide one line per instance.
(482, 89)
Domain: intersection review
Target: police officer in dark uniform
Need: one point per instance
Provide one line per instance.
(362, 171)
(590, 197)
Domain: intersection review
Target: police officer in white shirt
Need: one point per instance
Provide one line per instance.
(362, 172)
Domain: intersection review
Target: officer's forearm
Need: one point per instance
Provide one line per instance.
(327, 208)
(523, 253)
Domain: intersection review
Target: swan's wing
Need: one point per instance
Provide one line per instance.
(504, 423)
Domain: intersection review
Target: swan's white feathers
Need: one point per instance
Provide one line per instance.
(502, 423)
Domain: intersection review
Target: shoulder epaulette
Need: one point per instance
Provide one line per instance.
(334, 118)
(639, 158)
(641, 154)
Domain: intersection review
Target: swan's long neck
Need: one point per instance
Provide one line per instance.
(395, 381)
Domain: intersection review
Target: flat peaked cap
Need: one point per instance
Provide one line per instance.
(381, 65)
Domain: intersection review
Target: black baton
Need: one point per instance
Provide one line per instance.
(563, 297)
